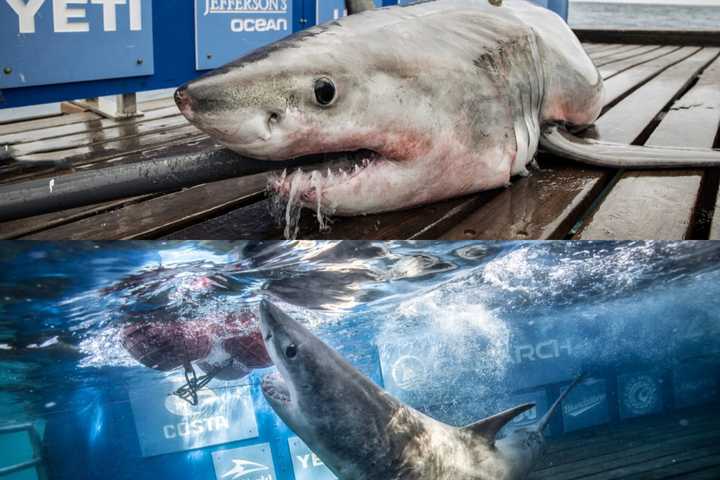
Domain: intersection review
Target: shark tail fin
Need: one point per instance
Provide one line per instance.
(490, 426)
(357, 6)
(546, 418)
(556, 139)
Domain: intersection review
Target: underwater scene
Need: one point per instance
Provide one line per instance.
(359, 360)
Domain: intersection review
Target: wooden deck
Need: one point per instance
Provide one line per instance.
(682, 445)
(656, 95)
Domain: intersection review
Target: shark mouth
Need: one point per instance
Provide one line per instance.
(275, 388)
(313, 186)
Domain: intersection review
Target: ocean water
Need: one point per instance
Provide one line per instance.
(457, 330)
(632, 15)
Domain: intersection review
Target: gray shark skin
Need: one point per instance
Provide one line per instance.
(361, 432)
(446, 97)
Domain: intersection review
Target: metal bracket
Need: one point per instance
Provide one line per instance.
(125, 106)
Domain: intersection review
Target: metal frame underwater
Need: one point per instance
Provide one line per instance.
(173, 47)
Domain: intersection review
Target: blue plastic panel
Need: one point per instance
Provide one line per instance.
(228, 29)
(328, 10)
(248, 463)
(530, 417)
(586, 406)
(639, 394)
(695, 384)
(307, 465)
(62, 41)
(165, 423)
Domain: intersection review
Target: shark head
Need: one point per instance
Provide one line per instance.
(341, 93)
(331, 406)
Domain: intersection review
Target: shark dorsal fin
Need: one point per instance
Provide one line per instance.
(357, 6)
(490, 426)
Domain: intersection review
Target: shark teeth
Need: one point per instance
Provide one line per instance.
(274, 387)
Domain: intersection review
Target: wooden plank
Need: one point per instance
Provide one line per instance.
(627, 52)
(49, 122)
(628, 55)
(709, 455)
(610, 51)
(103, 153)
(161, 214)
(255, 221)
(26, 226)
(576, 445)
(544, 205)
(98, 137)
(627, 120)
(67, 119)
(596, 47)
(609, 71)
(660, 205)
(84, 127)
(620, 85)
(627, 454)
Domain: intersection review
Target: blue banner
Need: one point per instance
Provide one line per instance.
(228, 29)
(329, 10)
(45, 42)
(166, 423)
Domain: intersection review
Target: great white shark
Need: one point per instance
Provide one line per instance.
(362, 432)
(436, 100)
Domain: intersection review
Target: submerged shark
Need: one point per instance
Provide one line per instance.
(361, 432)
(435, 100)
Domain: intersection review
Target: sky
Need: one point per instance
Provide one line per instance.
(674, 2)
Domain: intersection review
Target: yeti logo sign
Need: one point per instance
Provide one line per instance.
(246, 463)
(228, 29)
(640, 394)
(307, 465)
(167, 423)
(55, 41)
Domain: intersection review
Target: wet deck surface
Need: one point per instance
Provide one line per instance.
(656, 95)
(682, 445)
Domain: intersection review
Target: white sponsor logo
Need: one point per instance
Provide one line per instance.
(545, 350)
(641, 394)
(67, 18)
(258, 25)
(409, 372)
(578, 408)
(244, 467)
(246, 6)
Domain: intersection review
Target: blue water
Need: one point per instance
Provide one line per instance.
(458, 330)
(644, 16)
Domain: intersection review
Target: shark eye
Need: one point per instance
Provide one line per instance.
(324, 91)
(291, 350)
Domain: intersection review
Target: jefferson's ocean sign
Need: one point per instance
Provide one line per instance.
(45, 42)
(228, 29)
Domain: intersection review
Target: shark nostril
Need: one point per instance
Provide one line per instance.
(273, 118)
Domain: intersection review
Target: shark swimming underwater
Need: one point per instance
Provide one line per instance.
(361, 432)
(434, 100)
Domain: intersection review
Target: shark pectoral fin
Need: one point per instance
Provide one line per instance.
(556, 139)
(357, 6)
(490, 426)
